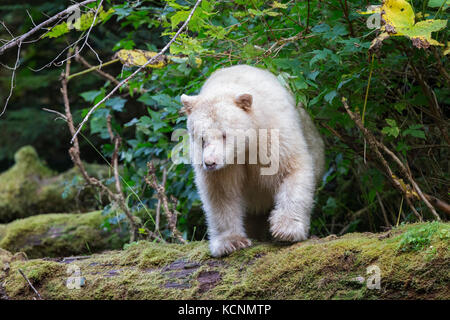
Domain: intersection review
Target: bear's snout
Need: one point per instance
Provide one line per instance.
(210, 166)
(210, 163)
(212, 155)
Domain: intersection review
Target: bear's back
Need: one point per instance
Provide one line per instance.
(245, 79)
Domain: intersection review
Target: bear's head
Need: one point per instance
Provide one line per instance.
(217, 127)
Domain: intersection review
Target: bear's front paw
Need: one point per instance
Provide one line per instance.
(224, 245)
(285, 227)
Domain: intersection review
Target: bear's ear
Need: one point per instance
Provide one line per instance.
(244, 101)
(188, 103)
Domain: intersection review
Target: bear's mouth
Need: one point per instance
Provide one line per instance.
(211, 167)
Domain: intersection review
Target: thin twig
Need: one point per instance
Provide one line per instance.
(408, 175)
(74, 152)
(13, 77)
(56, 112)
(152, 181)
(158, 206)
(30, 284)
(20, 39)
(152, 60)
(380, 202)
(105, 75)
(373, 143)
(344, 7)
(86, 38)
(430, 95)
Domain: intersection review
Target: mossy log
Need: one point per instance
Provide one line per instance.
(413, 261)
(30, 188)
(57, 235)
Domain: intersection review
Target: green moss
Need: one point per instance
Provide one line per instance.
(5, 259)
(36, 271)
(30, 188)
(419, 237)
(2, 231)
(55, 235)
(326, 270)
(22, 179)
(314, 269)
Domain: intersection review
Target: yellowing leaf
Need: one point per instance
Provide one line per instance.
(138, 58)
(276, 4)
(397, 14)
(398, 19)
(409, 191)
(420, 33)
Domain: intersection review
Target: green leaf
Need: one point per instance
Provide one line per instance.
(439, 3)
(391, 131)
(321, 28)
(116, 103)
(90, 96)
(178, 17)
(414, 131)
(83, 23)
(156, 121)
(391, 122)
(330, 96)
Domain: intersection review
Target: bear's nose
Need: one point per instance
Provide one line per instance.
(210, 165)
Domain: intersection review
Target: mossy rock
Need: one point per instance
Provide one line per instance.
(329, 268)
(59, 235)
(30, 188)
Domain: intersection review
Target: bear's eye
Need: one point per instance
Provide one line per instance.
(224, 136)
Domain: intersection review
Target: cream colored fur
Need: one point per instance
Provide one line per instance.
(232, 191)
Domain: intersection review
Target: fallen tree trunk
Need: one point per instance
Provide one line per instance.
(30, 188)
(56, 235)
(412, 261)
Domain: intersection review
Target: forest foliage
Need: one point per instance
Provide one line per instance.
(388, 61)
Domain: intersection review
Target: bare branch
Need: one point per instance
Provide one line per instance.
(118, 196)
(30, 284)
(160, 190)
(86, 38)
(13, 77)
(14, 42)
(376, 146)
(56, 112)
(152, 60)
(72, 45)
(105, 75)
(158, 206)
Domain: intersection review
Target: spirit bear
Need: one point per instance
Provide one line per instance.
(257, 158)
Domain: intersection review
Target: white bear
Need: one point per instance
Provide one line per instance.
(237, 194)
